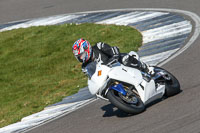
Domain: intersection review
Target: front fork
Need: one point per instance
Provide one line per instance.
(117, 87)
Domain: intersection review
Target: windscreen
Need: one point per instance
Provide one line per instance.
(91, 68)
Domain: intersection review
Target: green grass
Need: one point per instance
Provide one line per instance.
(37, 67)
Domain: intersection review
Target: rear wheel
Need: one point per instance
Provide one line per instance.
(172, 85)
(131, 103)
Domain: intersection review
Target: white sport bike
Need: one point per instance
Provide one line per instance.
(128, 88)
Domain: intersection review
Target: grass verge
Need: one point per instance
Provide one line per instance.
(37, 67)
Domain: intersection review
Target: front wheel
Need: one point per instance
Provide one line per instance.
(131, 104)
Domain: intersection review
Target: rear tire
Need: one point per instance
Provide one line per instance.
(172, 86)
(116, 100)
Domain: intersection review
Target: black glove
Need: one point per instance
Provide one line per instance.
(133, 60)
(130, 60)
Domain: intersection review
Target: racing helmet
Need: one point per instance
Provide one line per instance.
(82, 50)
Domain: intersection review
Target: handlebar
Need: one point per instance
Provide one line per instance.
(113, 60)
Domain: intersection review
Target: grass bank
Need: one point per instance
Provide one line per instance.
(37, 67)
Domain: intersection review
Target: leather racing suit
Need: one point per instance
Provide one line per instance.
(104, 53)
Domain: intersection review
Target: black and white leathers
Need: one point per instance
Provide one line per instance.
(103, 53)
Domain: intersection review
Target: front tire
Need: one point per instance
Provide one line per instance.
(115, 99)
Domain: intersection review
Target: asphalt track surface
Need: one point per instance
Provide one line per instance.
(180, 113)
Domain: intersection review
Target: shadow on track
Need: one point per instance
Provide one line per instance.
(111, 110)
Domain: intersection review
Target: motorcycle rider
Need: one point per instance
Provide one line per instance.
(102, 52)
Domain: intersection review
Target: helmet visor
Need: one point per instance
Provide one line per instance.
(81, 57)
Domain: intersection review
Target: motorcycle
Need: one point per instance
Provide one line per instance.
(127, 88)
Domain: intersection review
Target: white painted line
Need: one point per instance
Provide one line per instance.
(132, 18)
(167, 31)
(43, 21)
(65, 113)
(117, 18)
(195, 35)
(45, 115)
(156, 58)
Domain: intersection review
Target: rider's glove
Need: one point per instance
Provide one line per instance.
(130, 59)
